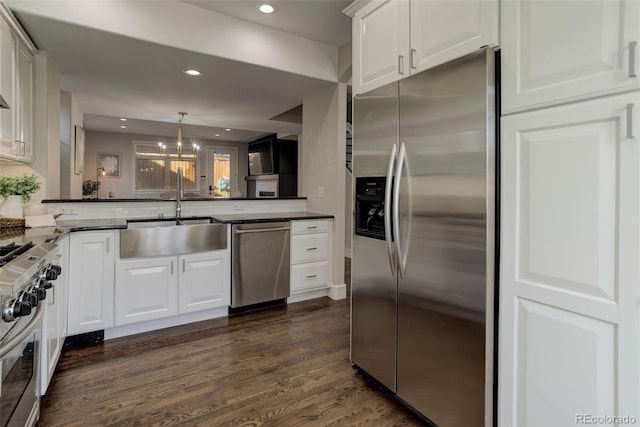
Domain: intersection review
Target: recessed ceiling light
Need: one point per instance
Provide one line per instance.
(228, 130)
(267, 8)
(192, 72)
(217, 134)
(123, 127)
(123, 119)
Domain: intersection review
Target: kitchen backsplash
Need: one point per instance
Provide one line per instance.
(97, 210)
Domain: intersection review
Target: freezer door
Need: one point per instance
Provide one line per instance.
(445, 205)
(374, 287)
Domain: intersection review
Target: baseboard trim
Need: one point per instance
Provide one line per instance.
(168, 322)
(304, 296)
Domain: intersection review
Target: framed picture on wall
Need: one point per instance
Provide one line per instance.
(111, 163)
(78, 165)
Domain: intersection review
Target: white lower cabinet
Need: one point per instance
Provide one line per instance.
(569, 275)
(309, 276)
(146, 289)
(91, 275)
(155, 288)
(310, 267)
(205, 281)
(55, 321)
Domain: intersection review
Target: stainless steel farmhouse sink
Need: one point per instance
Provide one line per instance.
(166, 222)
(166, 237)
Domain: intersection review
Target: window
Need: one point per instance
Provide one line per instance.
(157, 167)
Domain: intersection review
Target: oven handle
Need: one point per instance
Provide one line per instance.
(6, 347)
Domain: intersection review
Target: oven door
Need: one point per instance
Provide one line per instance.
(19, 363)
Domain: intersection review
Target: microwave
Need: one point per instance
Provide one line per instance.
(261, 156)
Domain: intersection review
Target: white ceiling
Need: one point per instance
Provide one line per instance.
(319, 20)
(113, 76)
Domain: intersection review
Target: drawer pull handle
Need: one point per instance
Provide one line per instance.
(630, 121)
(311, 227)
(311, 249)
(632, 58)
(311, 276)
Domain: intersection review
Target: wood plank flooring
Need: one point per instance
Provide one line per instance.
(283, 366)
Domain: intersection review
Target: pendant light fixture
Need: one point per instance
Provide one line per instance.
(181, 114)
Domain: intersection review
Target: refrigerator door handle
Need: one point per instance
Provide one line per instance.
(387, 203)
(396, 209)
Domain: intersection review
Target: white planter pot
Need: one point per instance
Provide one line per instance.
(12, 207)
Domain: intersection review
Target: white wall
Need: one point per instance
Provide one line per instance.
(70, 118)
(322, 165)
(122, 143)
(46, 120)
(65, 162)
(348, 212)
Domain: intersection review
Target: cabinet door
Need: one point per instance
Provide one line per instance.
(7, 86)
(24, 104)
(569, 274)
(442, 30)
(558, 51)
(91, 270)
(205, 281)
(146, 289)
(380, 44)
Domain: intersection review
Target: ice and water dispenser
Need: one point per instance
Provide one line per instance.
(369, 208)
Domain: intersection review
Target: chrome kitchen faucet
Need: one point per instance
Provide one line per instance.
(179, 196)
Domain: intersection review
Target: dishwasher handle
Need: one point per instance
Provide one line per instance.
(261, 230)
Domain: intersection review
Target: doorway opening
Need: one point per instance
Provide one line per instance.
(222, 171)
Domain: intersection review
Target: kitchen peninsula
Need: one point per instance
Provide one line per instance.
(115, 295)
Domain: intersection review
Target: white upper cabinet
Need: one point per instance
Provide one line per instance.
(380, 44)
(393, 39)
(446, 30)
(16, 87)
(562, 51)
(7, 88)
(23, 135)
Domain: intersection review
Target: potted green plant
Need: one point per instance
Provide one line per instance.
(90, 187)
(17, 190)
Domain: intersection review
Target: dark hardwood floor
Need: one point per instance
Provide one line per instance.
(283, 366)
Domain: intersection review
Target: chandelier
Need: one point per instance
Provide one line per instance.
(163, 147)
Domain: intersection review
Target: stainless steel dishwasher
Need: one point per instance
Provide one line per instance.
(260, 263)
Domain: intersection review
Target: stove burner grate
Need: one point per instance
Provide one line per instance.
(11, 251)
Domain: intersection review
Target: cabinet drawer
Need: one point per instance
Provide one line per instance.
(309, 248)
(308, 276)
(310, 226)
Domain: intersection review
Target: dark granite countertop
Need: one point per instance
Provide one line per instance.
(188, 199)
(70, 225)
(23, 235)
(244, 218)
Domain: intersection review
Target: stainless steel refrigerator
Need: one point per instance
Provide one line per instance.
(423, 266)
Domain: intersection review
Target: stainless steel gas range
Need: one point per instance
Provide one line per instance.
(26, 273)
